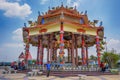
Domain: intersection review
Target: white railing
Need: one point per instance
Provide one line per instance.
(65, 68)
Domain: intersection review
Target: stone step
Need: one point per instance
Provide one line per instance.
(75, 73)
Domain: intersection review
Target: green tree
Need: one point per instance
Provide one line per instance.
(92, 57)
(34, 61)
(111, 58)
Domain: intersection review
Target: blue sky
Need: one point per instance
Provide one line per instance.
(14, 13)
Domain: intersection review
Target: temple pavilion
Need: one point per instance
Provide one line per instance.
(63, 28)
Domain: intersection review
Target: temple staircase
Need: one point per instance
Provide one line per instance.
(76, 73)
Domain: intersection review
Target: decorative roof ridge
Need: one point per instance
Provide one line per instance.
(59, 12)
(68, 9)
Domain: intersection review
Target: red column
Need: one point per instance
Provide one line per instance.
(87, 55)
(42, 54)
(48, 48)
(69, 51)
(39, 55)
(76, 50)
(27, 48)
(53, 54)
(48, 53)
(76, 56)
(61, 53)
(73, 59)
(83, 51)
(56, 54)
(51, 51)
(38, 51)
(98, 48)
(26, 53)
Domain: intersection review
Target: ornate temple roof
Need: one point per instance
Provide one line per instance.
(73, 21)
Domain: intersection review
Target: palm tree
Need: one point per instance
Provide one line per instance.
(111, 58)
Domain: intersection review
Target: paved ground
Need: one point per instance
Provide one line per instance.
(21, 76)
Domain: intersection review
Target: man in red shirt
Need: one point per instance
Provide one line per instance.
(102, 66)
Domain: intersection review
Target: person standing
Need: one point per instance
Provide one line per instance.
(22, 65)
(102, 66)
(12, 64)
(48, 65)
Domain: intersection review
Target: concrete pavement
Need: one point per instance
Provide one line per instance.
(21, 76)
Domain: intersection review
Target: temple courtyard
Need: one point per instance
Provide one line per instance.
(22, 76)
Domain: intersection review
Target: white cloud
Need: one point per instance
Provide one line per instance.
(111, 44)
(14, 9)
(17, 34)
(73, 3)
(10, 51)
(114, 44)
(14, 0)
(1, 49)
(43, 1)
(13, 45)
(18, 0)
(68, 1)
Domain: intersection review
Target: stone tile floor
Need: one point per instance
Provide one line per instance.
(21, 76)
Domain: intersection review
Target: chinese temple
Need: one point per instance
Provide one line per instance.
(63, 28)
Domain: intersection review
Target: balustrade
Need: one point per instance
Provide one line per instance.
(65, 68)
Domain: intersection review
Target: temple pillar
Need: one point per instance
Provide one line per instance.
(51, 49)
(48, 53)
(48, 49)
(76, 50)
(83, 51)
(61, 53)
(72, 45)
(86, 55)
(55, 54)
(27, 49)
(38, 51)
(69, 54)
(98, 48)
(42, 55)
(26, 53)
(41, 49)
